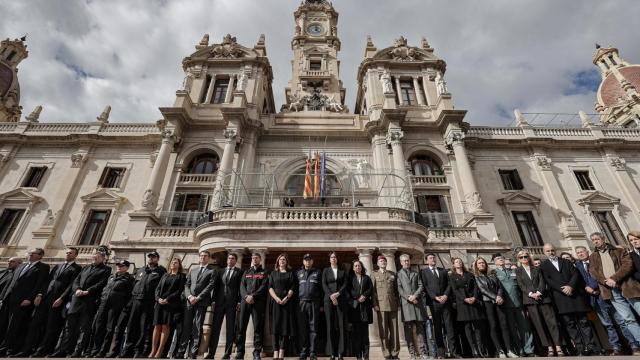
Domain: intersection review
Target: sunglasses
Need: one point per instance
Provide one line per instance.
(523, 257)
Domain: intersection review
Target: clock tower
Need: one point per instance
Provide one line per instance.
(315, 84)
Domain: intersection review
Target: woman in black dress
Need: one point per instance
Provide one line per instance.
(360, 309)
(334, 284)
(282, 284)
(468, 304)
(168, 293)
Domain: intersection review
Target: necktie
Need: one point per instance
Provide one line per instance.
(201, 270)
(61, 269)
(226, 276)
(25, 269)
(435, 272)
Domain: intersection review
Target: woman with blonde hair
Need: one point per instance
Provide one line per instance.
(468, 304)
(167, 305)
(536, 299)
(282, 285)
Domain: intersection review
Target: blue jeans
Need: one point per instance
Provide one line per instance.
(635, 302)
(627, 318)
(429, 337)
(605, 310)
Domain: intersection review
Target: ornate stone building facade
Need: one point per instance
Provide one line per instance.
(404, 172)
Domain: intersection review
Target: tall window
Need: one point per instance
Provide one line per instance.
(333, 194)
(584, 180)
(94, 227)
(422, 165)
(111, 177)
(9, 220)
(407, 93)
(609, 226)
(203, 164)
(188, 209)
(510, 179)
(527, 228)
(433, 209)
(205, 89)
(220, 91)
(34, 176)
(315, 65)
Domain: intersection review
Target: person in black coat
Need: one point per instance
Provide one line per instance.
(492, 294)
(567, 291)
(468, 304)
(140, 323)
(253, 292)
(309, 304)
(360, 308)
(227, 300)
(198, 288)
(439, 299)
(634, 239)
(167, 306)
(47, 320)
(115, 296)
(5, 279)
(334, 284)
(24, 292)
(282, 289)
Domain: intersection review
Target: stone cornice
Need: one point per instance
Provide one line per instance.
(80, 132)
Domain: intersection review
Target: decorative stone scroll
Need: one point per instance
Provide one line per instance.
(617, 163)
(402, 52)
(229, 49)
(78, 159)
(542, 161)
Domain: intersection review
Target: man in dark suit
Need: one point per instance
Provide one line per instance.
(86, 291)
(567, 291)
(5, 279)
(227, 303)
(47, 319)
(253, 291)
(334, 286)
(634, 239)
(438, 291)
(25, 291)
(201, 282)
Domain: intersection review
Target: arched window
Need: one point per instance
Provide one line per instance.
(423, 165)
(333, 193)
(203, 164)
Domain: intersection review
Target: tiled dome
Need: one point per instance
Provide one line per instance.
(6, 78)
(611, 90)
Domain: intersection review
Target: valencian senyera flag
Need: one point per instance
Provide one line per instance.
(323, 173)
(316, 179)
(307, 180)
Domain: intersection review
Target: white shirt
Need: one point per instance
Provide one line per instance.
(434, 270)
(554, 261)
(335, 272)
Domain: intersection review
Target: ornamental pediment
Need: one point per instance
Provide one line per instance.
(519, 198)
(228, 49)
(402, 52)
(103, 196)
(20, 195)
(599, 198)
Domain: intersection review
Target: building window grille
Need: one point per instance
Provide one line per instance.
(510, 179)
(9, 220)
(34, 176)
(527, 228)
(584, 180)
(220, 91)
(111, 177)
(407, 93)
(94, 227)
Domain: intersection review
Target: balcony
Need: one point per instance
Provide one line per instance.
(182, 219)
(429, 180)
(197, 179)
(436, 220)
(316, 74)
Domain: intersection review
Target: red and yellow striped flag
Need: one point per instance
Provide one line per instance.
(307, 181)
(316, 180)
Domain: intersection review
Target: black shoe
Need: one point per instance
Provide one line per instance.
(20, 354)
(57, 354)
(314, 357)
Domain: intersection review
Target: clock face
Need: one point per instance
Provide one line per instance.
(315, 29)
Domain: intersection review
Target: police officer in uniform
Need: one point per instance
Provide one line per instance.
(309, 303)
(139, 327)
(253, 291)
(114, 298)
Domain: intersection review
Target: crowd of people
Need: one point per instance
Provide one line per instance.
(533, 308)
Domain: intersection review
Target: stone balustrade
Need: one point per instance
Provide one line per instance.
(186, 179)
(453, 234)
(168, 232)
(565, 133)
(316, 73)
(429, 180)
(69, 128)
(65, 129)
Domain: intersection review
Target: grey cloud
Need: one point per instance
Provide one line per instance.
(500, 54)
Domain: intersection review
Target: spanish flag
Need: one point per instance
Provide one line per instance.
(307, 180)
(316, 180)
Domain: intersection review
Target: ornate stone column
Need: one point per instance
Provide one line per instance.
(398, 96)
(425, 87)
(416, 88)
(210, 89)
(228, 97)
(364, 255)
(152, 192)
(472, 198)
(226, 166)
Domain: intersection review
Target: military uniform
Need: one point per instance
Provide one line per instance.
(385, 300)
(113, 300)
(254, 283)
(514, 311)
(309, 300)
(140, 324)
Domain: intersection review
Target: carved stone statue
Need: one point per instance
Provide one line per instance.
(333, 105)
(35, 115)
(188, 81)
(148, 199)
(385, 79)
(104, 117)
(49, 219)
(242, 82)
(474, 202)
(77, 159)
(297, 103)
(441, 84)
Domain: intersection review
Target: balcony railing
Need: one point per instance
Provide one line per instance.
(186, 179)
(429, 180)
(316, 73)
(436, 220)
(187, 219)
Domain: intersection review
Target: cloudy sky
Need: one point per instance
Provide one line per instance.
(501, 54)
